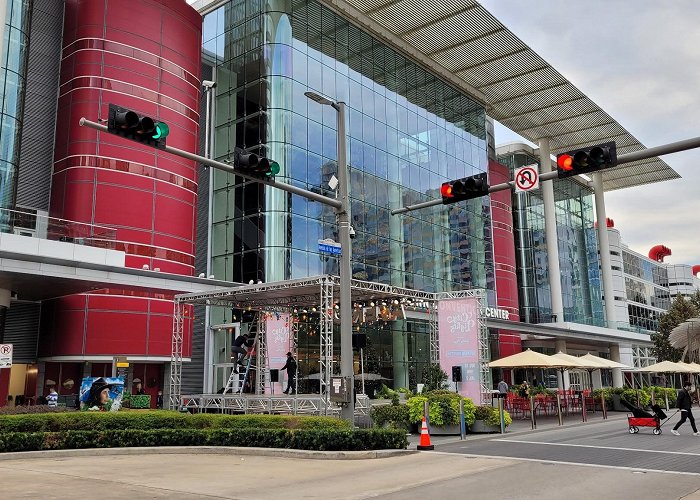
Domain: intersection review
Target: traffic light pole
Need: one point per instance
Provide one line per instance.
(332, 202)
(644, 154)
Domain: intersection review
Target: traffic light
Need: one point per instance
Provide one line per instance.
(586, 160)
(468, 188)
(252, 164)
(132, 125)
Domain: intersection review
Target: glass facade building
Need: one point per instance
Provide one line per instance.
(407, 131)
(14, 22)
(578, 250)
(646, 287)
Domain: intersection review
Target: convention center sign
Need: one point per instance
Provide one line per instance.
(458, 334)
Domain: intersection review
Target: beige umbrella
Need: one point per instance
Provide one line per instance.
(529, 359)
(665, 367)
(577, 362)
(604, 363)
(693, 367)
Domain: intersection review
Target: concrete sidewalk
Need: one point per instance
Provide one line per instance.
(519, 427)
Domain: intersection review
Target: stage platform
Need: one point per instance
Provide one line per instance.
(297, 404)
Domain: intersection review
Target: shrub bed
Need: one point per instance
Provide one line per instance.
(302, 439)
(443, 408)
(490, 416)
(148, 420)
(396, 416)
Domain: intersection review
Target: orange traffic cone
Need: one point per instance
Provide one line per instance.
(425, 437)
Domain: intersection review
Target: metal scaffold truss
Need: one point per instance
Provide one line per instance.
(319, 294)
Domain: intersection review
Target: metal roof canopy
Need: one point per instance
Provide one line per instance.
(469, 48)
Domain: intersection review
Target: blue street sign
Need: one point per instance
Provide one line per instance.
(329, 246)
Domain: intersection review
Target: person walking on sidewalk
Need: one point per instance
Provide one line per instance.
(684, 404)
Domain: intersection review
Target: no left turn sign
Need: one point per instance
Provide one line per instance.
(527, 178)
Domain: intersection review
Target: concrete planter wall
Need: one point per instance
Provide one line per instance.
(480, 426)
(445, 430)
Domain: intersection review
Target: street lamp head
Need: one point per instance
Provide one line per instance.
(319, 98)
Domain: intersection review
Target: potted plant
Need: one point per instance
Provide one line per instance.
(443, 410)
(486, 419)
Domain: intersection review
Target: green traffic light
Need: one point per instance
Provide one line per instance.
(274, 168)
(162, 131)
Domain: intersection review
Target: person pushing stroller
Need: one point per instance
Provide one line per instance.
(684, 404)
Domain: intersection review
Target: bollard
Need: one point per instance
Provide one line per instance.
(561, 417)
(583, 407)
(533, 420)
(501, 415)
(462, 423)
(603, 406)
(653, 397)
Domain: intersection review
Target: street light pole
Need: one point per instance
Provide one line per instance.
(343, 213)
(343, 217)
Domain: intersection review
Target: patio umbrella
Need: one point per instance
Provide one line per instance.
(529, 359)
(577, 362)
(665, 367)
(604, 363)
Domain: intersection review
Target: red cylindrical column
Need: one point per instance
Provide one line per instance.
(144, 55)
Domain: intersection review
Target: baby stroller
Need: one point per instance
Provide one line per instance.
(642, 418)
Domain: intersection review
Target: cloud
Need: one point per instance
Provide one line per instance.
(639, 62)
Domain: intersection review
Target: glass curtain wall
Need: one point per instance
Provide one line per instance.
(407, 133)
(578, 251)
(14, 23)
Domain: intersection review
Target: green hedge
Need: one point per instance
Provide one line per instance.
(396, 416)
(443, 407)
(127, 420)
(490, 416)
(302, 439)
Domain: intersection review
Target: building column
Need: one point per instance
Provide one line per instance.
(615, 356)
(604, 248)
(399, 358)
(550, 226)
(563, 379)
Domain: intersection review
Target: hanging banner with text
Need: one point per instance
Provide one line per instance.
(279, 342)
(458, 334)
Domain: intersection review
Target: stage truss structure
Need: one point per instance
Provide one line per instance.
(287, 297)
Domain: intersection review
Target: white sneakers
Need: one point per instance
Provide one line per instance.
(676, 433)
(696, 433)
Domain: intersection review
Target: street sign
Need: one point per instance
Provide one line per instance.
(329, 246)
(5, 355)
(526, 178)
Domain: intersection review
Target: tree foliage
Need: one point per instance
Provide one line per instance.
(680, 311)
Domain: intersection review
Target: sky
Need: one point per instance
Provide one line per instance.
(639, 60)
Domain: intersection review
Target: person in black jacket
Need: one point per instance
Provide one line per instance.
(291, 367)
(238, 350)
(684, 404)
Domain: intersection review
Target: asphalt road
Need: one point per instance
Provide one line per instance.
(597, 460)
(601, 444)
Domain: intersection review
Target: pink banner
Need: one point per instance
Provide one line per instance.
(458, 334)
(279, 342)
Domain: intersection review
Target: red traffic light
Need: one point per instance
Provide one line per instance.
(446, 190)
(565, 162)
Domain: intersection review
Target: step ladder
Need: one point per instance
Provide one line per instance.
(237, 380)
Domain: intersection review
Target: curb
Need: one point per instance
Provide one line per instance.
(208, 450)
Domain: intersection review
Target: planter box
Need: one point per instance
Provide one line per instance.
(616, 403)
(445, 430)
(480, 426)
